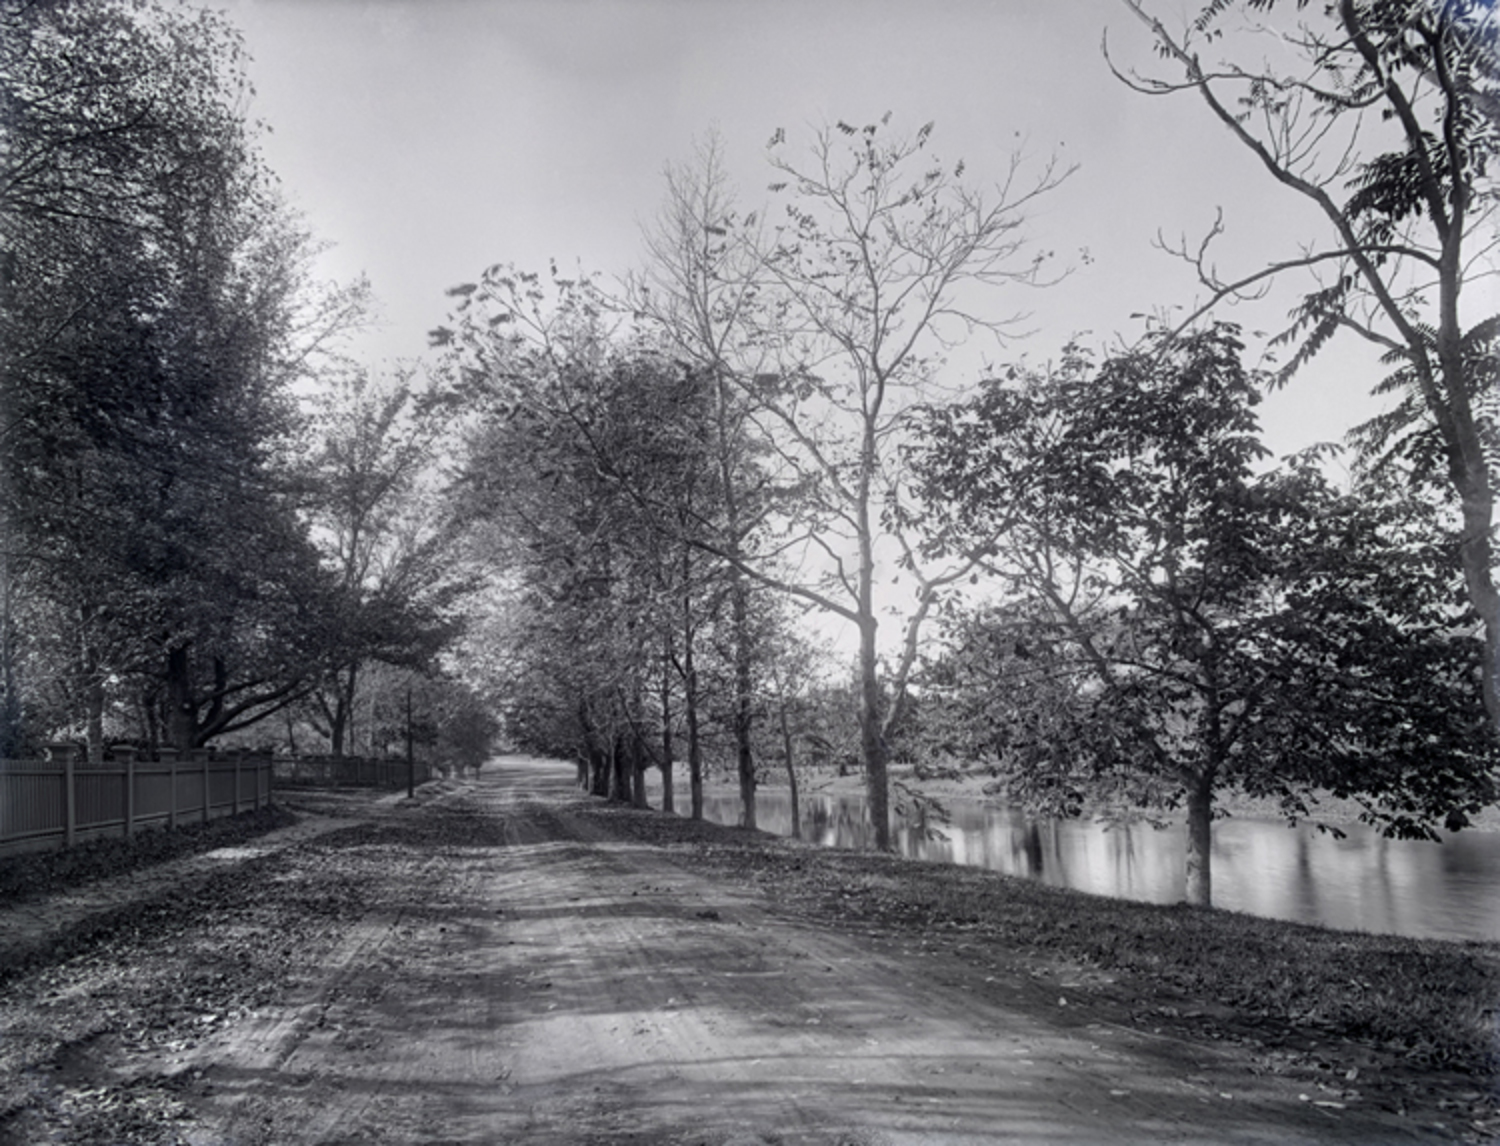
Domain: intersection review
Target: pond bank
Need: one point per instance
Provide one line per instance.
(506, 959)
(1366, 1014)
(971, 786)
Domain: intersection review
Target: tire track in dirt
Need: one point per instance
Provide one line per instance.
(547, 982)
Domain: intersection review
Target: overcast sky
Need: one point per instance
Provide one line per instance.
(428, 139)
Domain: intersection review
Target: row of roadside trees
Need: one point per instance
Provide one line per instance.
(213, 518)
(1142, 610)
(190, 547)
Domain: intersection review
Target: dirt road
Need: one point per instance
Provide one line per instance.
(514, 972)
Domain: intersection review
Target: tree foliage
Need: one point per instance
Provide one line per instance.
(830, 316)
(392, 545)
(156, 305)
(1185, 624)
(1384, 115)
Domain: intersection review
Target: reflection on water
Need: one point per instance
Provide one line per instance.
(1363, 882)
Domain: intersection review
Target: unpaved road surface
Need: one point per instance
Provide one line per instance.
(494, 965)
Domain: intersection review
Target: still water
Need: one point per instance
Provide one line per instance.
(1363, 882)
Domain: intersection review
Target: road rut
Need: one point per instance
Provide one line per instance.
(538, 980)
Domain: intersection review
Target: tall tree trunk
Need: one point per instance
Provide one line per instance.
(612, 792)
(666, 730)
(599, 761)
(1470, 463)
(1200, 810)
(341, 715)
(695, 743)
(690, 693)
(93, 687)
(338, 718)
(585, 751)
(349, 697)
(872, 744)
(150, 703)
(739, 597)
(791, 768)
(743, 697)
(182, 709)
(11, 732)
(94, 733)
(1476, 554)
(639, 764)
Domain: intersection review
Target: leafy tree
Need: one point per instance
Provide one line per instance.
(622, 456)
(1384, 115)
(556, 413)
(1200, 626)
(830, 324)
(696, 294)
(156, 305)
(393, 550)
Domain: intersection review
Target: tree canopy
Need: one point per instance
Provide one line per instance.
(1384, 115)
(1200, 625)
(157, 304)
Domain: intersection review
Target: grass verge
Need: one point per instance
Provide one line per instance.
(1427, 1004)
(31, 875)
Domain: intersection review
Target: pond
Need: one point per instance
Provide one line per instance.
(1363, 882)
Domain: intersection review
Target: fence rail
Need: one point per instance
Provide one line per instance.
(65, 799)
(349, 771)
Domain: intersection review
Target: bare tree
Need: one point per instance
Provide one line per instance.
(831, 324)
(1385, 116)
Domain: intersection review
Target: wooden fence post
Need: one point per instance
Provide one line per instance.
(207, 760)
(169, 758)
(70, 791)
(237, 756)
(129, 754)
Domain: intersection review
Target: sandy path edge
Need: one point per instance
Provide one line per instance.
(549, 983)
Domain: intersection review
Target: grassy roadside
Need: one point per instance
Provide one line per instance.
(29, 875)
(1405, 1013)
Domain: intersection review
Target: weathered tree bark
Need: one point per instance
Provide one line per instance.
(791, 769)
(1476, 554)
(666, 730)
(744, 715)
(92, 672)
(11, 731)
(739, 603)
(638, 781)
(640, 753)
(695, 743)
(150, 705)
(182, 709)
(619, 782)
(690, 692)
(599, 761)
(340, 714)
(1200, 809)
(871, 742)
